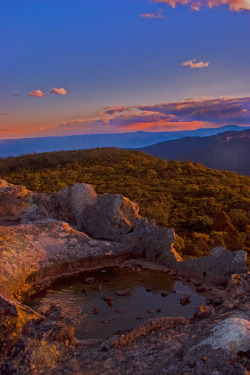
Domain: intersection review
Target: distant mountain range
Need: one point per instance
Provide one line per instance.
(15, 147)
(229, 150)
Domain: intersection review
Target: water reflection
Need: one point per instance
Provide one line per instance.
(127, 312)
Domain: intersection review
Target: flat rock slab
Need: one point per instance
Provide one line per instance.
(49, 248)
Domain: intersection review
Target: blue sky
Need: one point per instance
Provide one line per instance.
(117, 52)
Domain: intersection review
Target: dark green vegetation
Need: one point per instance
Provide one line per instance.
(206, 207)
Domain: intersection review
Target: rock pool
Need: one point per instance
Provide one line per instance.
(93, 317)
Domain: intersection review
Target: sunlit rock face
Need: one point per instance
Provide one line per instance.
(36, 253)
(13, 200)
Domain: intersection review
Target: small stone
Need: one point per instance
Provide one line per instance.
(158, 310)
(123, 293)
(205, 358)
(200, 289)
(108, 298)
(184, 300)
(89, 280)
(95, 311)
(110, 303)
(103, 271)
(164, 293)
(118, 311)
(140, 317)
(172, 273)
(106, 321)
(197, 283)
(109, 363)
(84, 291)
(150, 311)
(149, 289)
(221, 287)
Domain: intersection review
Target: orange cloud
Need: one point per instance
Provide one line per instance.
(233, 5)
(151, 16)
(60, 91)
(194, 64)
(6, 130)
(37, 93)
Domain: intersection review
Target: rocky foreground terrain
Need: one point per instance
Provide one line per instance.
(48, 236)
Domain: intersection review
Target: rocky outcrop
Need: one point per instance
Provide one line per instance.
(75, 230)
(33, 255)
(105, 216)
(216, 268)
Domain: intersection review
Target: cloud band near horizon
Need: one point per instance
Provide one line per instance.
(233, 5)
(188, 114)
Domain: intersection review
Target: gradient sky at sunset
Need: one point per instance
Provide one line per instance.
(95, 66)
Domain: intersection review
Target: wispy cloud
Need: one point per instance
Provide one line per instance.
(37, 93)
(59, 91)
(194, 64)
(233, 5)
(4, 113)
(72, 122)
(150, 16)
(114, 109)
(218, 111)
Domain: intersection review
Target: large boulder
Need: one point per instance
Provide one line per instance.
(152, 242)
(111, 216)
(105, 216)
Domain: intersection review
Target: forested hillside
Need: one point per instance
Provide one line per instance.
(206, 207)
(229, 150)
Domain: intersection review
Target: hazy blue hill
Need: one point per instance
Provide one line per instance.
(228, 150)
(15, 147)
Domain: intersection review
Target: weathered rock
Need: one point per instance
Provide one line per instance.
(216, 268)
(13, 200)
(33, 255)
(153, 242)
(13, 317)
(105, 216)
(30, 341)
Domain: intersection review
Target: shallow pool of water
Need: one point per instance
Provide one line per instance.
(127, 312)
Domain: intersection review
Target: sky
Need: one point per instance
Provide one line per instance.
(94, 66)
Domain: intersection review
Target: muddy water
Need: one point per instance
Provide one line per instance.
(128, 311)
